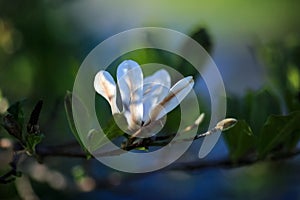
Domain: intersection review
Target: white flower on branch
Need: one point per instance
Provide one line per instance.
(145, 101)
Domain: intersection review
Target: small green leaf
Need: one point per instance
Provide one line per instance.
(32, 140)
(279, 131)
(69, 113)
(240, 140)
(142, 149)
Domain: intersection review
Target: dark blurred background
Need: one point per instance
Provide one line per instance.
(42, 44)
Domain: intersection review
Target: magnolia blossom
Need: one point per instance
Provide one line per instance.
(145, 101)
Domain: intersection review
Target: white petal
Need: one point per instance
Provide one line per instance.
(130, 81)
(156, 87)
(161, 78)
(105, 85)
(176, 95)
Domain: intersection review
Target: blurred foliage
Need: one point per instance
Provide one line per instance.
(39, 57)
(32, 48)
(273, 133)
(15, 125)
(280, 133)
(254, 107)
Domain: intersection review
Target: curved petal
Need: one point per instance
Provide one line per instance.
(176, 95)
(130, 82)
(105, 85)
(160, 78)
(156, 87)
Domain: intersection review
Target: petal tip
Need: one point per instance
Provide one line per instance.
(129, 63)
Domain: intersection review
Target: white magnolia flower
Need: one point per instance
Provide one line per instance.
(144, 100)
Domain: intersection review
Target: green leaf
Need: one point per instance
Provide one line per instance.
(32, 140)
(12, 127)
(263, 104)
(16, 110)
(240, 140)
(279, 131)
(142, 149)
(69, 113)
(254, 107)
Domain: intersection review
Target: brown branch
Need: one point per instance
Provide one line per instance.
(73, 150)
(223, 163)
